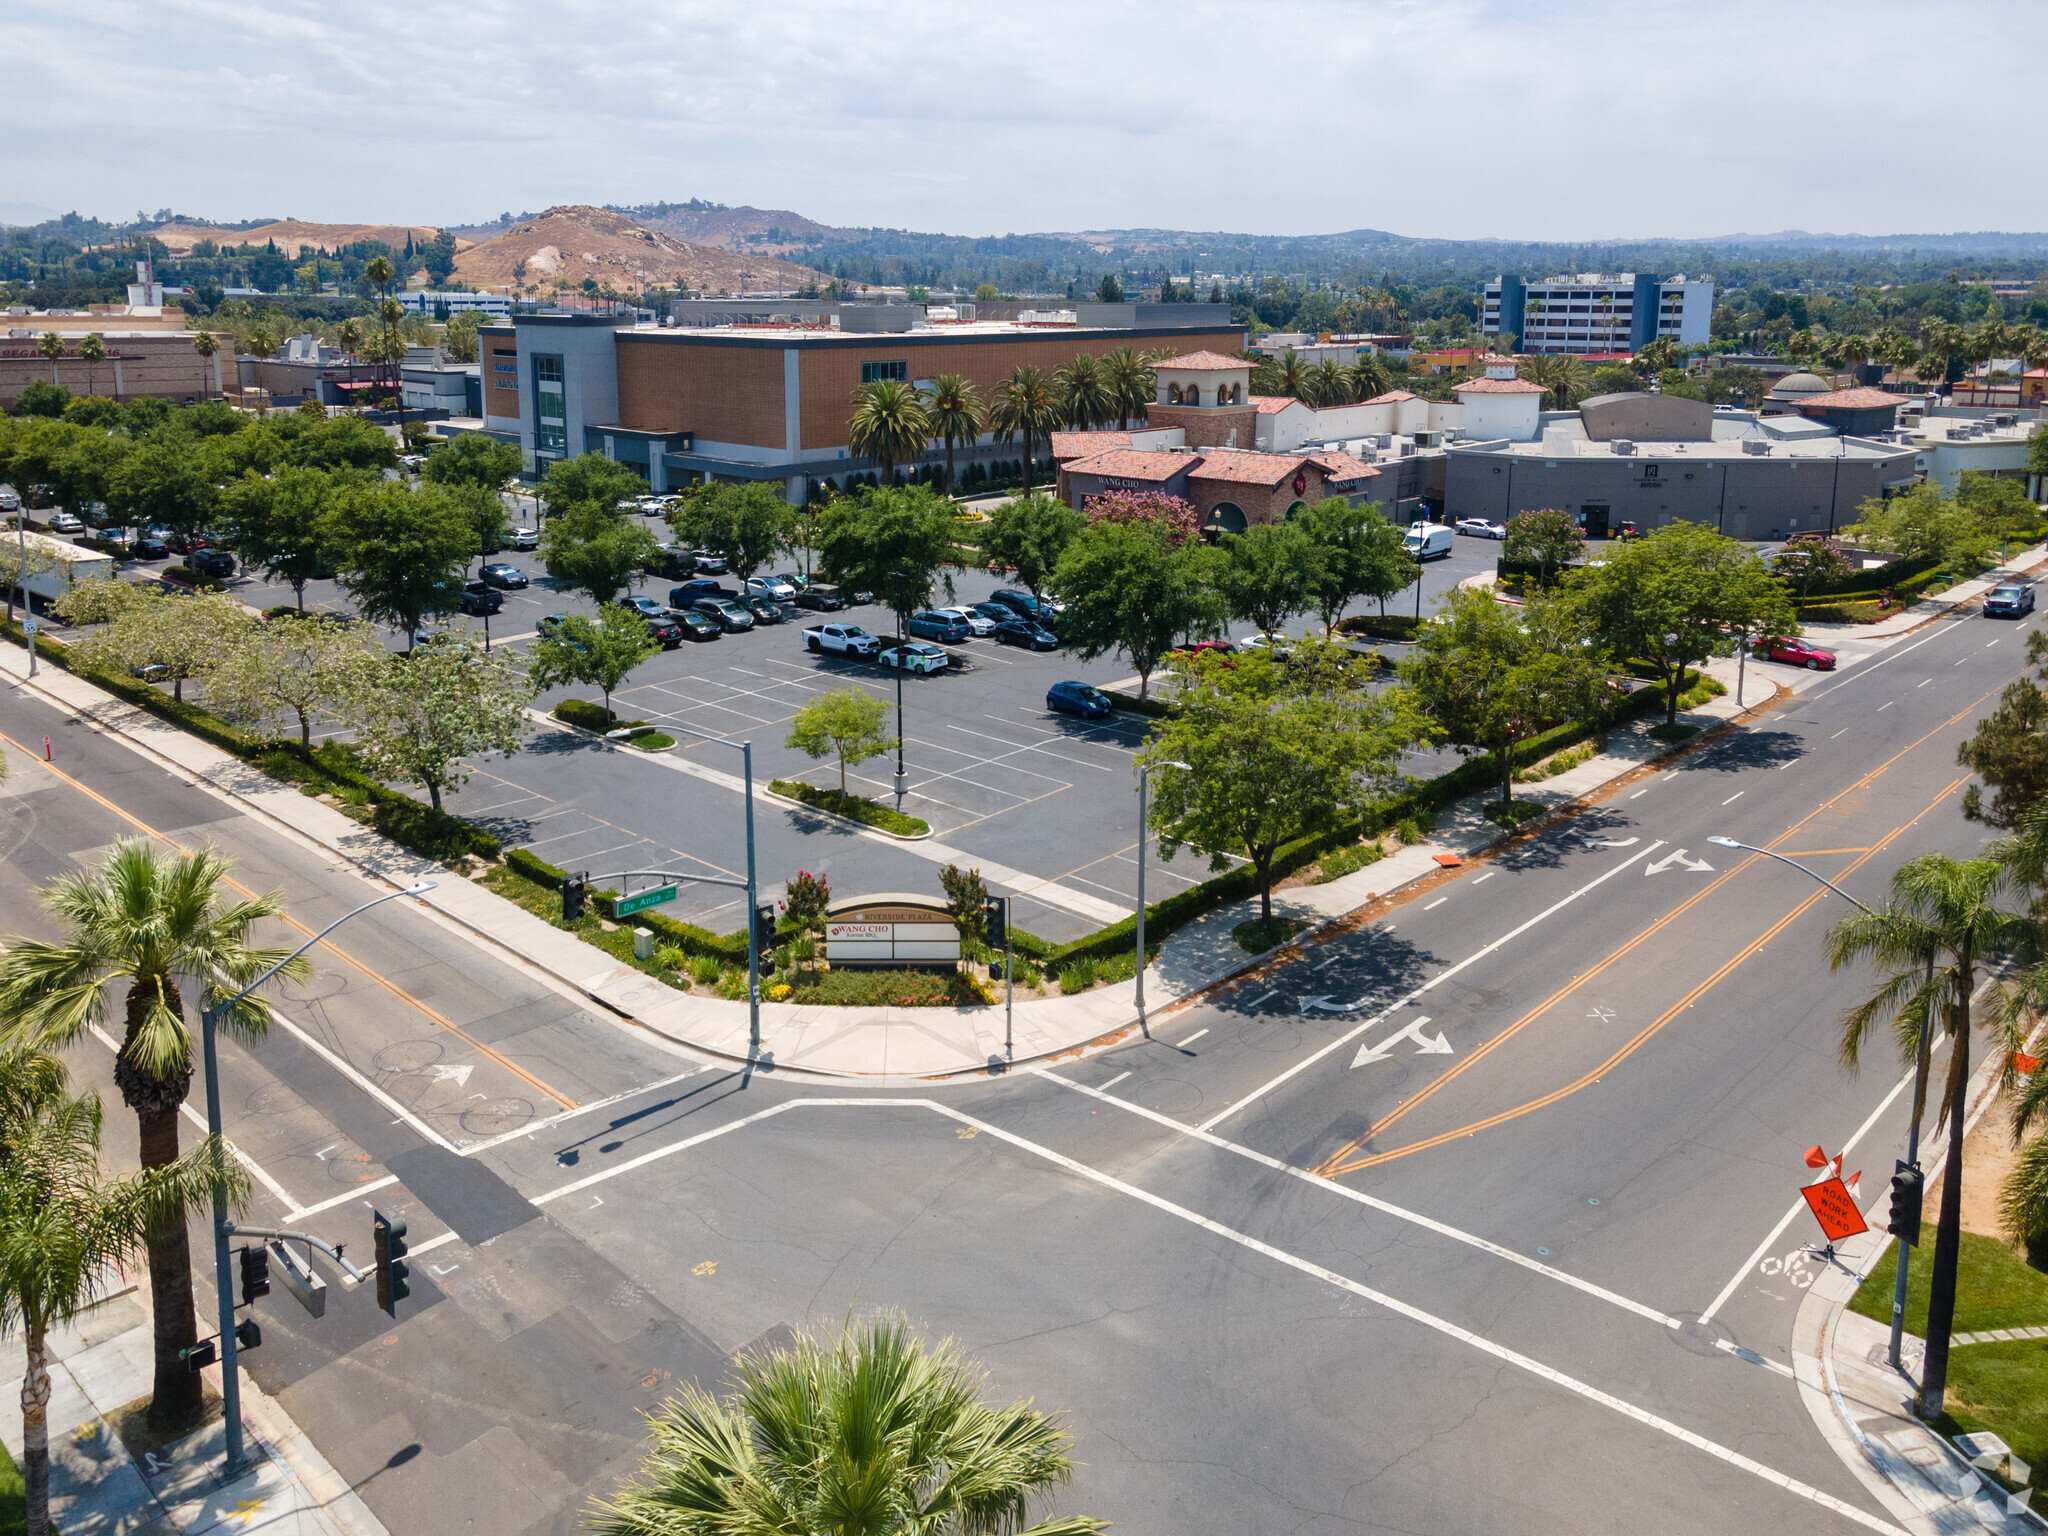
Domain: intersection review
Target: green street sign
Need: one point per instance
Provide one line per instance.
(640, 901)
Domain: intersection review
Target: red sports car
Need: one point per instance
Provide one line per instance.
(1798, 653)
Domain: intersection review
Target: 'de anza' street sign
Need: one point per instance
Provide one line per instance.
(640, 901)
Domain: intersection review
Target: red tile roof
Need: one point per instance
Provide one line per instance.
(1272, 405)
(1498, 387)
(1865, 399)
(1133, 464)
(1202, 362)
(1392, 397)
(1237, 467)
(1079, 445)
(1342, 468)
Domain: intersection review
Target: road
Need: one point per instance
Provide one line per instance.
(1470, 1219)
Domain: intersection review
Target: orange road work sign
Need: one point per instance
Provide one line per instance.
(1834, 1209)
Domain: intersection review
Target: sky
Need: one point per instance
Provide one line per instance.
(1460, 119)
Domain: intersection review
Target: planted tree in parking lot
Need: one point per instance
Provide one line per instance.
(745, 525)
(1269, 572)
(1275, 751)
(400, 547)
(598, 550)
(600, 653)
(333, 442)
(897, 544)
(1491, 676)
(163, 483)
(1677, 597)
(428, 710)
(847, 723)
(1361, 555)
(1550, 539)
(296, 669)
(279, 524)
(471, 458)
(1128, 587)
(1028, 535)
(150, 634)
(590, 479)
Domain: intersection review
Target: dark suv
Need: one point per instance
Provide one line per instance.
(210, 562)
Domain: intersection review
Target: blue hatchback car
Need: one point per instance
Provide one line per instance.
(1072, 698)
(933, 625)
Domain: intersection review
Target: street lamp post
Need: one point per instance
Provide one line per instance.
(746, 752)
(1919, 1085)
(28, 610)
(230, 1385)
(902, 773)
(1144, 779)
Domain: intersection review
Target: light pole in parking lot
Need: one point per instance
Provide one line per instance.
(902, 774)
(1144, 779)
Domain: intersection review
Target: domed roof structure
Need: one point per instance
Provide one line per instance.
(1796, 386)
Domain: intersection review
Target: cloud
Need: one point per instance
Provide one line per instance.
(1457, 118)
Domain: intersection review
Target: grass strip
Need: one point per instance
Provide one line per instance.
(853, 807)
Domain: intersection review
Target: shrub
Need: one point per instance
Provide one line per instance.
(1263, 933)
(652, 741)
(428, 831)
(590, 717)
(896, 989)
(1079, 976)
(704, 970)
(1561, 763)
(539, 872)
(1408, 831)
(1514, 813)
(852, 807)
(1346, 861)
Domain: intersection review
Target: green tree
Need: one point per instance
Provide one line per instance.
(1677, 597)
(1491, 676)
(598, 550)
(588, 480)
(296, 669)
(150, 921)
(1275, 751)
(205, 346)
(847, 723)
(1129, 588)
(66, 1229)
(427, 711)
(889, 425)
(39, 397)
(872, 1432)
(1612, 379)
(92, 351)
(2009, 749)
(747, 525)
(1109, 290)
(163, 484)
(1029, 534)
(152, 634)
(1938, 928)
(896, 543)
(1551, 539)
(1025, 405)
(955, 413)
(438, 257)
(601, 652)
(279, 524)
(1084, 391)
(1270, 572)
(1563, 375)
(1810, 563)
(1360, 554)
(1131, 384)
(967, 903)
(1920, 522)
(471, 458)
(50, 348)
(339, 442)
(1369, 377)
(400, 547)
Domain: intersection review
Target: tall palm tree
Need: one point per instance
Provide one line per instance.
(1855, 350)
(1131, 383)
(1943, 343)
(92, 351)
(873, 1432)
(1562, 374)
(1026, 405)
(1293, 379)
(65, 1228)
(153, 921)
(1328, 384)
(1084, 392)
(889, 425)
(1939, 926)
(1369, 377)
(1800, 346)
(50, 348)
(206, 345)
(955, 414)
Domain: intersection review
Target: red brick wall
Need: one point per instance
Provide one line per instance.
(723, 394)
(503, 397)
(1207, 427)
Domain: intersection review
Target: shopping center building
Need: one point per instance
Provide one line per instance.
(761, 402)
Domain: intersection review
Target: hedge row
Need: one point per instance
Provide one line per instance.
(1392, 626)
(692, 940)
(1894, 574)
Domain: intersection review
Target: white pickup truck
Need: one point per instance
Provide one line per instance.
(845, 639)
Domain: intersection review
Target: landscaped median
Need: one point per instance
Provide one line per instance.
(858, 808)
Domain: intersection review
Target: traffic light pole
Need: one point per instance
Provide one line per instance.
(223, 1229)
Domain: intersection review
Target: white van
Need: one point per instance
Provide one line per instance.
(1429, 541)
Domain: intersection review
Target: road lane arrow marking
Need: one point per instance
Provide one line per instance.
(456, 1075)
(1678, 858)
(1610, 843)
(1329, 1005)
(1425, 1045)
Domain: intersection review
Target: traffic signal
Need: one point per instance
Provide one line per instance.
(995, 920)
(247, 1334)
(388, 1238)
(1907, 1185)
(255, 1274)
(199, 1356)
(764, 931)
(573, 890)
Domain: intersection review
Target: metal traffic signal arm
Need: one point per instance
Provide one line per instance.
(332, 1250)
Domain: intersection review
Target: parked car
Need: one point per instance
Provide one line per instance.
(665, 629)
(997, 614)
(525, 539)
(930, 624)
(507, 578)
(1279, 650)
(1024, 605)
(686, 593)
(771, 586)
(710, 564)
(1480, 528)
(211, 562)
(1023, 632)
(697, 625)
(549, 623)
(2011, 601)
(149, 547)
(478, 600)
(820, 597)
(977, 623)
(1072, 698)
(653, 506)
(725, 612)
(1798, 653)
(766, 610)
(1428, 541)
(920, 658)
(646, 607)
(841, 640)
(1208, 647)
(64, 522)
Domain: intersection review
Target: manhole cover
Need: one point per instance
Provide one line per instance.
(1170, 1096)
(408, 1056)
(1280, 1035)
(496, 1117)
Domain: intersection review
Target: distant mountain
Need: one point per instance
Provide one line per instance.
(770, 230)
(1985, 243)
(575, 242)
(179, 237)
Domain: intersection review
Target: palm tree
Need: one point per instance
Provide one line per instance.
(888, 426)
(65, 1228)
(1560, 373)
(1084, 392)
(50, 348)
(1025, 405)
(1939, 926)
(206, 346)
(1328, 384)
(92, 351)
(1369, 377)
(1855, 350)
(873, 1432)
(1293, 380)
(1943, 343)
(954, 413)
(151, 920)
(1130, 382)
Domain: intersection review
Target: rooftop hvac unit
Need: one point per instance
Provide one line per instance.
(1623, 448)
(1428, 439)
(1756, 447)
(1407, 450)
(1957, 434)
(2003, 419)
(1383, 440)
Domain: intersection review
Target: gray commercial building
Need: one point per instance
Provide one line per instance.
(1657, 459)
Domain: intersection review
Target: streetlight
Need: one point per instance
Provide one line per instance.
(902, 774)
(224, 1293)
(1144, 778)
(1919, 1083)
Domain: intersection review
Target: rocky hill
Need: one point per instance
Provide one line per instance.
(571, 244)
(290, 234)
(772, 231)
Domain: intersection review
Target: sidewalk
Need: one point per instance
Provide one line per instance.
(101, 1366)
(868, 1043)
(1961, 595)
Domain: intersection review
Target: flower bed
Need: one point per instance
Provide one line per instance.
(890, 989)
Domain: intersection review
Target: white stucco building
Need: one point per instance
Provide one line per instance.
(1501, 406)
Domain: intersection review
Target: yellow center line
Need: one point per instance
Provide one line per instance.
(327, 944)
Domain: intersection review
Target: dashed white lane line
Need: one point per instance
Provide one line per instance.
(1482, 879)
(1267, 998)
(1959, 663)
(1883, 707)
(1332, 960)
(1437, 903)
(1735, 797)
(1923, 685)
(1191, 1039)
(1842, 732)
(1641, 792)
(1113, 1082)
